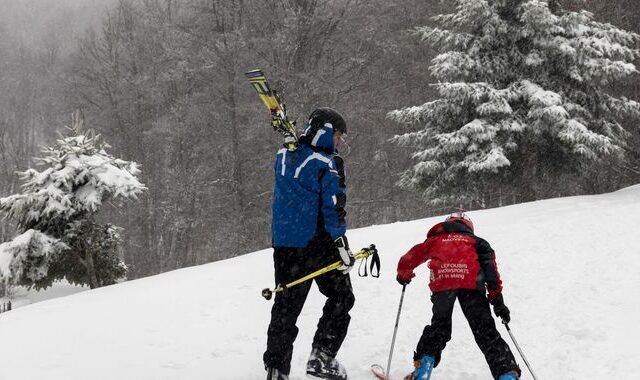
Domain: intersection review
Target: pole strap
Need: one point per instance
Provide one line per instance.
(374, 266)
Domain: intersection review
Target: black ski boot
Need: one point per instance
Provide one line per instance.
(275, 374)
(323, 366)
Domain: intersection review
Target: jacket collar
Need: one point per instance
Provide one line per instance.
(448, 227)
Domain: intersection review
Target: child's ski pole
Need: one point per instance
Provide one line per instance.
(395, 331)
(513, 338)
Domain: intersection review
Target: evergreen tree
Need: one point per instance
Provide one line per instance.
(522, 99)
(56, 212)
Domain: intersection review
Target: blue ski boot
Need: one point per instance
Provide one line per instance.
(424, 367)
(509, 376)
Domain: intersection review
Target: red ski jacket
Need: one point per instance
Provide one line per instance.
(458, 260)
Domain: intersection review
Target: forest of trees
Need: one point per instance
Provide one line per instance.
(163, 81)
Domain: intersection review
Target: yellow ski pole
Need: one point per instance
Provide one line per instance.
(362, 254)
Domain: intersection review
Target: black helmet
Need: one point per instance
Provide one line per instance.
(323, 115)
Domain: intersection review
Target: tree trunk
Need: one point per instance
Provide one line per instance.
(92, 278)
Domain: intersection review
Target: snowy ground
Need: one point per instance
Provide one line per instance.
(570, 266)
(21, 296)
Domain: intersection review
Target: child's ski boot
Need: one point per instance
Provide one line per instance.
(423, 369)
(509, 376)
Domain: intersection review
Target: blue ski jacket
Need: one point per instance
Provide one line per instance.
(309, 192)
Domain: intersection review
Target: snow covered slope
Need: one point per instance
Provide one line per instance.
(571, 269)
(22, 296)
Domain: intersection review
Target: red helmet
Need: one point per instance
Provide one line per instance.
(461, 217)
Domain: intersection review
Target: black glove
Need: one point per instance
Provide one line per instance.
(342, 244)
(500, 309)
(401, 281)
(404, 277)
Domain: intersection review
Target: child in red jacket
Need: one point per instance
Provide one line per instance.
(463, 267)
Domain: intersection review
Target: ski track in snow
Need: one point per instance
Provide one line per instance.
(569, 266)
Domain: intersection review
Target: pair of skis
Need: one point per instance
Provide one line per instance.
(379, 372)
(279, 120)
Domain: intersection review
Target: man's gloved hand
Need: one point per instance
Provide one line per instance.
(342, 244)
(404, 278)
(500, 309)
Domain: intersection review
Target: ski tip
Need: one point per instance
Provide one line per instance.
(378, 372)
(254, 73)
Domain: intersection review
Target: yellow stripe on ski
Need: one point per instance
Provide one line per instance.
(270, 99)
(259, 82)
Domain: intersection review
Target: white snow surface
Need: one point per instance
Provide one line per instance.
(570, 268)
(21, 296)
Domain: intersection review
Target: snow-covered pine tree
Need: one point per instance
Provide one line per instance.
(59, 237)
(523, 98)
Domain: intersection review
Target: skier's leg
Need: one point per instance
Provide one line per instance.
(282, 332)
(435, 336)
(334, 323)
(332, 327)
(476, 309)
(336, 286)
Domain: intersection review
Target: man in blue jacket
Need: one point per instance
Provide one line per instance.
(308, 232)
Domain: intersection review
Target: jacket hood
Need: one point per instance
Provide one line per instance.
(447, 227)
(322, 138)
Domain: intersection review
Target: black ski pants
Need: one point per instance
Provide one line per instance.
(476, 309)
(291, 264)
